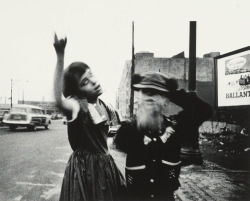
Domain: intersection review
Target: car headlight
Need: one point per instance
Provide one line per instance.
(28, 118)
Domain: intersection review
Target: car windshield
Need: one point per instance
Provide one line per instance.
(17, 109)
(36, 111)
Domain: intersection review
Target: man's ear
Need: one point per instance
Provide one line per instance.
(165, 108)
(166, 102)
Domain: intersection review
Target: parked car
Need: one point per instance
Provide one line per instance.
(29, 116)
(56, 116)
(2, 113)
(64, 120)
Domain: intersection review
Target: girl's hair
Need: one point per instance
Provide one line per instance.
(72, 74)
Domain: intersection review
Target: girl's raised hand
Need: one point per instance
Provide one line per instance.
(60, 44)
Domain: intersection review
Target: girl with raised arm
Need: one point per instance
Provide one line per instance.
(91, 173)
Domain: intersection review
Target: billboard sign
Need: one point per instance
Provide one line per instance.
(232, 78)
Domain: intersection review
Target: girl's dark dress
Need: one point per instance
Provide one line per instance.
(91, 174)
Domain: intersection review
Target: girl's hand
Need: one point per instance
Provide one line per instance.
(60, 44)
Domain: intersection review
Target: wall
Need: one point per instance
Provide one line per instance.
(173, 68)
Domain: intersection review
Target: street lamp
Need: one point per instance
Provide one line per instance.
(11, 86)
(11, 91)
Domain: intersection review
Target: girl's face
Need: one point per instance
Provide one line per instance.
(89, 87)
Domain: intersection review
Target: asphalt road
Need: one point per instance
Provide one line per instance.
(32, 163)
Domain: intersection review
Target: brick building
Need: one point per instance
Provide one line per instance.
(175, 67)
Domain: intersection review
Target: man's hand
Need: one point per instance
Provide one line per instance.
(146, 140)
(168, 132)
(60, 44)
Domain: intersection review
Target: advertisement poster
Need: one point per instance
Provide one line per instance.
(233, 79)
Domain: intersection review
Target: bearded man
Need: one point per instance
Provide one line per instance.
(153, 141)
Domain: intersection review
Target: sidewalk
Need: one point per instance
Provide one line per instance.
(207, 182)
(212, 182)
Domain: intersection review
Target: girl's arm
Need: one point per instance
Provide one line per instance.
(69, 107)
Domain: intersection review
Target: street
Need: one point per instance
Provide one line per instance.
(32, 165)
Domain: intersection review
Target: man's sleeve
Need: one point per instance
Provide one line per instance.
(121, 139)
(195, 111)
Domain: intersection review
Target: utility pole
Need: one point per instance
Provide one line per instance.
(11, 91)
(132, 73)
(11, 85)
(192, 58)
(23, 95)
(190, 152)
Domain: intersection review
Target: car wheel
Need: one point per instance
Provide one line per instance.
(46, 126)
(13, 128)
(31, 128)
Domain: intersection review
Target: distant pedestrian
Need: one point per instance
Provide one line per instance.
(91, 174)
(152, 140)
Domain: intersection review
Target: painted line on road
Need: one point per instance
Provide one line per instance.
(18, 198)
(57, 174)
(37, 184)
(61, 161)
(47, 195)
(66, 147)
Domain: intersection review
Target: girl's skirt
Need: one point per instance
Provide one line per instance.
(92, 177)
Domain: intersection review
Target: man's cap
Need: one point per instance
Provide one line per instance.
(153, 80)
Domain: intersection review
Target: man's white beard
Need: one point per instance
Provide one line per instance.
(149, 118)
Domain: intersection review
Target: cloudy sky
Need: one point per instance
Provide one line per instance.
(99, 33)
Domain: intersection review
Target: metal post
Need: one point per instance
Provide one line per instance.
(190, 152)
(132, 73)
(11, 85)
(23, 96)
(192, 58)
